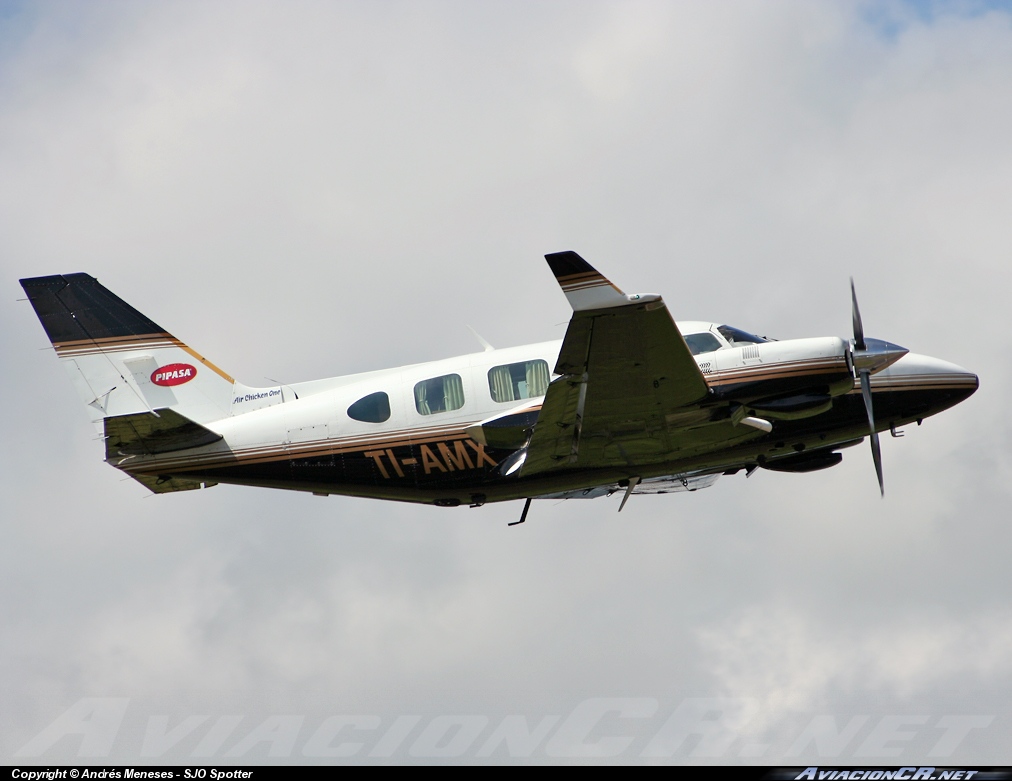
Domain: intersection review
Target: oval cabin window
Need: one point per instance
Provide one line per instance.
(374, 408)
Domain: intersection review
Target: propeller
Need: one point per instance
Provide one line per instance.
(866, 357)
(855, 316)
(864, 375)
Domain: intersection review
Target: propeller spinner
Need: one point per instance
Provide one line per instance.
(866, 357)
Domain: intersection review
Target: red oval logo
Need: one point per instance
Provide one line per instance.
(173, 374)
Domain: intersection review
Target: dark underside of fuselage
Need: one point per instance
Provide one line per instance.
(453, 470)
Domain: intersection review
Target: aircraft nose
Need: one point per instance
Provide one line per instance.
(915, 372)
(938, 369)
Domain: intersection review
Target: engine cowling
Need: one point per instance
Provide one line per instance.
(802, 405)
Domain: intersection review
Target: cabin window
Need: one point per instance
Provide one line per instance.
(516, 381)
(440, 394)
(374, 408)
(702, 343)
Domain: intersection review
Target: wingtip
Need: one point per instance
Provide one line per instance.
(567, 263)
(584, 285)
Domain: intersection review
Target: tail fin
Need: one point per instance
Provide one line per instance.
(122, 363)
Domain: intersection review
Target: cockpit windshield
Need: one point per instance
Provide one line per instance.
(702, 343)
(736, 336)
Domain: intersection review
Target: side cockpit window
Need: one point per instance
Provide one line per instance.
(440, 394)
(702, 343)
(517, 381)
(374, 408)
(735, 336)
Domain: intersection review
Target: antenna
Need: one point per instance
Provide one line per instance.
(488, 348)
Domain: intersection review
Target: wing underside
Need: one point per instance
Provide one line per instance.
(629, 382)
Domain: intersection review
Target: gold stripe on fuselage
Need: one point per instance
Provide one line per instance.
(912, 382)
(775, 371)
(308, 449)
(321, 449)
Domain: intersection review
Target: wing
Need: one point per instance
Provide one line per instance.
(627, 374)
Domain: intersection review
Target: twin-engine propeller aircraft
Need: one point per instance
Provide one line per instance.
(628, 401)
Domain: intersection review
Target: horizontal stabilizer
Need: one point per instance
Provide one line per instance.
(164, 485)
(148, 433)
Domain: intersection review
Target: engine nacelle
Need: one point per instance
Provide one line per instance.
(804, 462)
(802, 405)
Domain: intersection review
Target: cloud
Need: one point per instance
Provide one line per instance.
(799, 664)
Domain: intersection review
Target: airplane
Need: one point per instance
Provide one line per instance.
(628, 401)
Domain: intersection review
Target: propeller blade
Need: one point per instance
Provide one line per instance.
(876, 455)
(856, 318)
(876, 451)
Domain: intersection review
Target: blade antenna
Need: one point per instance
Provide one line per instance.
(484, 344)
(633, 482)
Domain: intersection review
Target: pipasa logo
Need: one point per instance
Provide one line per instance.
(173, 374)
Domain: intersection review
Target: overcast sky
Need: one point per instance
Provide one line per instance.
(303, 190)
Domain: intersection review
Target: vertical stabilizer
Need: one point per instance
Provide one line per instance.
(123, 363)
